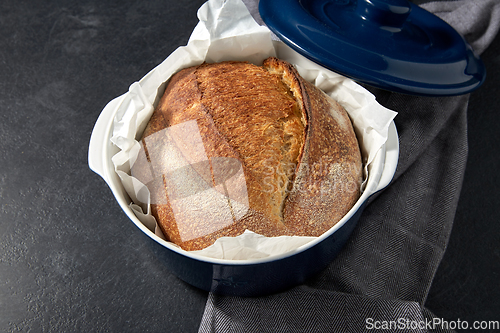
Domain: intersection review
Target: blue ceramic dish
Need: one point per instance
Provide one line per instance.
(243, 277)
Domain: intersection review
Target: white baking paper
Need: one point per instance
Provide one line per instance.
(227, 31)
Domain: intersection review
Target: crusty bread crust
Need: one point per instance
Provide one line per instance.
(233, 146)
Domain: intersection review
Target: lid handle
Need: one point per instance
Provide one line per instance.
(387, 14)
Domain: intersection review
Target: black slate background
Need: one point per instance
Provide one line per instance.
(70, 260)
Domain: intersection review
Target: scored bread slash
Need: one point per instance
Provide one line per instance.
(233, 146)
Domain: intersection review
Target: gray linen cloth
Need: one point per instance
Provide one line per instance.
(385, 271)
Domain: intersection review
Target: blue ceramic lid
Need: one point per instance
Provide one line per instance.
(390, 44)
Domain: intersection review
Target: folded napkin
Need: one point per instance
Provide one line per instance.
(384, 273)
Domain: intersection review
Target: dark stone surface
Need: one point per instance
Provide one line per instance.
(70, 260)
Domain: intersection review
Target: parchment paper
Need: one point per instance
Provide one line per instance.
(227, 31)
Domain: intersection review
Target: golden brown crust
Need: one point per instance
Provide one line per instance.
(330, 175)
(233, 146)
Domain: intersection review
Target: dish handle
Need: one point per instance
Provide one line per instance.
(391, 158)
(99, 137)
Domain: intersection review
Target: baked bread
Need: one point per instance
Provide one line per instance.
(234, 146)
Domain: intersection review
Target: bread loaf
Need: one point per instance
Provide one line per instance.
(234, 146)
